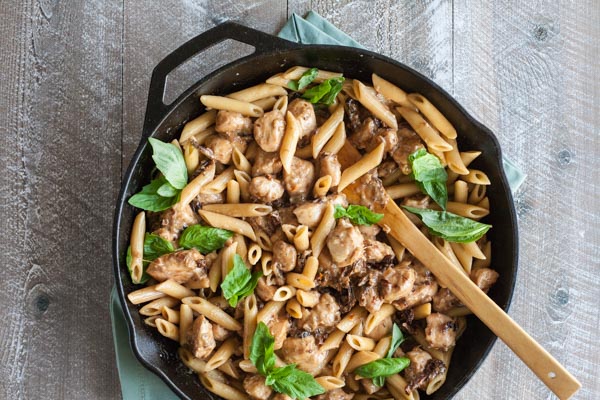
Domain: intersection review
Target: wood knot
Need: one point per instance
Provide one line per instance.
(540, 32)
(564, 157)
(42, 302)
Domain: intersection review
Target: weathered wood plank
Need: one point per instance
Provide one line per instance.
(528, 70)
(61, 100)
(154, 29)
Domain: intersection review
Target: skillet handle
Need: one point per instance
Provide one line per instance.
(262, 43)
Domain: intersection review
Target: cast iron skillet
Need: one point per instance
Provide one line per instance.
(274, 55)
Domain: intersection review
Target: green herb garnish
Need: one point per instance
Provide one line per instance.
(451, 227)
(164, 191)
(324, 93)
(397, 339)
(239, 282)
(204, 238)
(305, 80)
(358, 215)
(288, 380)
(430, 176)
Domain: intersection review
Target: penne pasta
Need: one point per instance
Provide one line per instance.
(461, 191)
(424, 130)
(391, 92)
(243, 180)
(326, 131)
(301, 238)
(186, 319)
(222, 355)
(422, 311)
(330, 382)
(221, 389)
(258, 92)
(266, 104)
(170, 315)
(361, 358)
(192, 189)
(254, 253)
(230, 223)
(240, 161)
(477, 177)
(311, 266)
(191, 156)
(197, 125)
(250, 313)
(317, 241)
(333, 340)
(433, 115)
(225, 103)
(322, 186)
(335, 144)
(369, 161)
(138, 232)
(360, 343)
(167, 329)
(370, 101)
(212, 312)
(375, 319)
(402, 190)
(350, 320)
(307, 298)
(144, 295)
(174, 289)
(233, 192)
(219, 183)
(281, 104)
(284, 293)
(294, 73)
(240, 209)
(155, 306)
(455, 162)
(289, 142)
(294, 309)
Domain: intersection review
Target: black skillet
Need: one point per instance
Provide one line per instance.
(273, 55)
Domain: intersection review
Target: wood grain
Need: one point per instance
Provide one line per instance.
(73, 86)
(61, 125)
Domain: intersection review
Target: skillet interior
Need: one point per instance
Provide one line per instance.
(159, 354)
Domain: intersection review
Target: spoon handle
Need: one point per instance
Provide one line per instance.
(546, 367)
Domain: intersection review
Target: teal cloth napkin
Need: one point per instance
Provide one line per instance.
(136, 381)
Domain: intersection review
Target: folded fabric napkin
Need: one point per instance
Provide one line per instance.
(136, 381)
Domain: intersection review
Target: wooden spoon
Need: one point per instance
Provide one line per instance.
(550, 371)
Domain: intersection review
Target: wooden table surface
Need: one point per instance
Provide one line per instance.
(73, 85)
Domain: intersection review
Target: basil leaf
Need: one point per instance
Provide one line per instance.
(204, 238)
(262, 353)
(430, 175)
(239, 282)
(294, 382)
(397, 339)
(383, 367)
(358, 215)
(170, 162)
(305, 80)
(155, 246)
(336, 87)
(451, 227)
(324, 93)
(149, 199)
(379, 381)
(167, 190)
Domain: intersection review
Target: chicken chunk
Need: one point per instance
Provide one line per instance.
(202, 339)
(209, 198)
(181, 266)
(305, 113)
(444, 300)
(219, 148)
(269, 130)
(232, 123)
(363, 137)
(369, 232)
(329, 165)
(279, 327)
(174, 220)
(387, 136)
(284, 256)
(256, 387)
(324, 316)
(299, 181)
(376, 251)
(418, 360)
(265, 291)
(368, 291)
(266, 164)
(345, 243)
(484, 278)
(305, 353)
(266, 188)
(397, 282)
(424, 288)
(335, 394)
(219, 333)
(371, 191)
(440, 332)
(408, 143)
